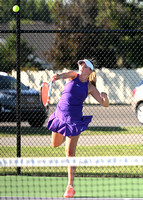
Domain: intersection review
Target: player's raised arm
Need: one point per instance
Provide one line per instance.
(65, 75)
(102, 97)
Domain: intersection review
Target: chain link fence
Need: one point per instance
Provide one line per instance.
(48, 37)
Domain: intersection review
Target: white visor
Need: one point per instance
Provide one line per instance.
(87, 62)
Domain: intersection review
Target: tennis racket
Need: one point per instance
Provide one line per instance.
(45, 93)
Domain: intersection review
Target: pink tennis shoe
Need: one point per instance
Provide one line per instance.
(70, 192)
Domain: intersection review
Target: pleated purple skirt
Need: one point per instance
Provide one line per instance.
(68, 128)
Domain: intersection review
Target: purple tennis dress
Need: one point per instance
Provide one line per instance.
(68, 119)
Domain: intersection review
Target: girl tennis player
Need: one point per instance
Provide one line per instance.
(67, 122)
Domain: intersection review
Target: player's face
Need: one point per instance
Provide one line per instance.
(84, 69)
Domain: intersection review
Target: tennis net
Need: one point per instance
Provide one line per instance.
(96, 177)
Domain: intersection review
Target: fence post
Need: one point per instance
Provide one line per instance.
(18, 86)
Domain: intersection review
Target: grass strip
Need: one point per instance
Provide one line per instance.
(31, 131)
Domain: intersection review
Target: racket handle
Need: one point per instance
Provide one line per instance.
(49, 93)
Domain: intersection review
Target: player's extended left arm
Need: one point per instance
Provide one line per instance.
(102, 97)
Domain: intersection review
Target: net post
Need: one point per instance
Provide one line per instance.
(18, 114)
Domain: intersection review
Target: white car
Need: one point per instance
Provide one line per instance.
(137, 101)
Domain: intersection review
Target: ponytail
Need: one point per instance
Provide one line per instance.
(92, 78)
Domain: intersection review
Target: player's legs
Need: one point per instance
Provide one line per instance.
(57, 139)
(70, 149)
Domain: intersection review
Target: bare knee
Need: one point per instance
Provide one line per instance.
(54, 145)
(57, 139)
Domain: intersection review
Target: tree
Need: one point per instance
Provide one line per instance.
(8, 55)
(6, 10)
(118, 15)
(111, 50)
(75, 15)
(42, 12)
(30, 9)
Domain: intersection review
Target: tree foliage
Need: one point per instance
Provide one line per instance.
(111, 50)
(8, 56)
(30, 9)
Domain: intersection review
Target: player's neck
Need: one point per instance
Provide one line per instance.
(83, 78)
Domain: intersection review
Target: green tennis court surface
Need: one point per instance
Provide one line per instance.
(28, 187)
(58, 198)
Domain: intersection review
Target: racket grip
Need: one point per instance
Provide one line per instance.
(53, 79)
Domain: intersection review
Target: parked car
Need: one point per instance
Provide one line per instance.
(32, 109)
(137, 101)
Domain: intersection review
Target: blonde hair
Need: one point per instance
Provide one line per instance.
(92, 78)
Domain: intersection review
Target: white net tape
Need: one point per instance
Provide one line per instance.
(72, 161)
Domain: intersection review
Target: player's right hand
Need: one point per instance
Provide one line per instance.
(55, 77)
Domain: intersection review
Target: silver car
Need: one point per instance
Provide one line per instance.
(137, 101)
